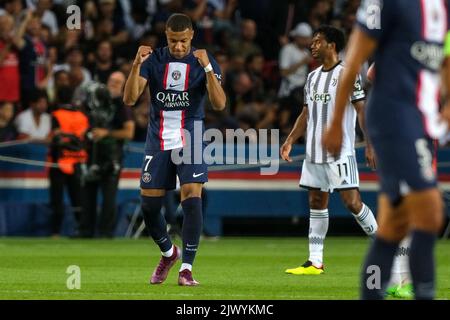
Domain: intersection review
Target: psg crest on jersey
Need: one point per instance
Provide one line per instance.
(146, 177)
(176, 75)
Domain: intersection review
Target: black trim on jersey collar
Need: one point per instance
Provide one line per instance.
(339, 62)
(179, 59)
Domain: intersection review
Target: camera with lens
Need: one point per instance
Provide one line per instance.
(103, 155)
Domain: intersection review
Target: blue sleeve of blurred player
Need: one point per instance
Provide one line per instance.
(216, 68)
(375, 17)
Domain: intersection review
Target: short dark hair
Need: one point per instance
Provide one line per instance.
(37, 95)
(179, 22)
(332, 35)
(64, 95)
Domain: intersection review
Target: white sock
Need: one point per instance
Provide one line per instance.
(168, 253)
(366, 220)
(185, 266)
(318, 227)
(400, 270)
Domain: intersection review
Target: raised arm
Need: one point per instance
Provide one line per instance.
(215, 91)
(135, 83)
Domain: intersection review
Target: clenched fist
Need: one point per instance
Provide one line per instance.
(202, 57)
(143, 53)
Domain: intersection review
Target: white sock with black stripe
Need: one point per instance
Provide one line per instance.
(400, 269)
(366, 220)
(318, 228)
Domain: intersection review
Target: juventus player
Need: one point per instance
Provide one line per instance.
(323, 173)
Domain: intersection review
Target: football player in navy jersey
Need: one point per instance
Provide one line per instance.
(179, 78)
(406, 38)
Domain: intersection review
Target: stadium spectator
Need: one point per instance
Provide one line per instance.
(104, 64)
(14, 8)
(35, 67)
(255, 68)
(7, 130)
(74, 64)
(245, 44)
(43, 10)
(105, 153)
(67, 153)
(141, 115)
(320, 13)
(210, 16)
(60, 79)
(9, 58)
(240, 92)
(258, 114)
(282, 17)
(108, 21)
(294, 66)
(34, 122)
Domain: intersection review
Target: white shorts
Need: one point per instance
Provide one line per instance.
(327, 177)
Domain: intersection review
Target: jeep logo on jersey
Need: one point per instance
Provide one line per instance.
(321, 97)
(430, 55)
(173, 100)
(176, 75)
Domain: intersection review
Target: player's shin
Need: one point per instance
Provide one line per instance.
(400, 269)
(192, 229)
(156, 224)
(377, 269)
(422, 264)
(318, 228)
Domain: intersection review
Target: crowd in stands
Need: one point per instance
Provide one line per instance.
(262, 47)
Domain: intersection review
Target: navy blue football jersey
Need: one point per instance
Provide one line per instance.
(178, 92)
(405, 97)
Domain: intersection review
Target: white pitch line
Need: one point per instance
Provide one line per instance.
(79, 292)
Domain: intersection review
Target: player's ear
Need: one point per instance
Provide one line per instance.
(332, 45)
(191, 34)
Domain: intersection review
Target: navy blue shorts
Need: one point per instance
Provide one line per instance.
(159, 171)
(404, 165)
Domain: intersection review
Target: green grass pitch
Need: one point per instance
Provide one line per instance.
(229, 268)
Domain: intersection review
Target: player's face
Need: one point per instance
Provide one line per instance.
(179, 43)
(319, 47)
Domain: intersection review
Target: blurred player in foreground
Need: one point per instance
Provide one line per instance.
(407, 37)
(400, 285)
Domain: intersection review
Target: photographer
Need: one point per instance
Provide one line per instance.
(67, 150)
(111, 125)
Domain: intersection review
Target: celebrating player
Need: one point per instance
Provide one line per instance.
(179, 77)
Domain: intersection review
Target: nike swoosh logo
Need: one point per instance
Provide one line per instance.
(174, 85)
(190, 245)
(198, 175)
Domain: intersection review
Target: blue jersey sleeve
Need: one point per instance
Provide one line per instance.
(376, 17)
(216, 68)
(146, 68)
